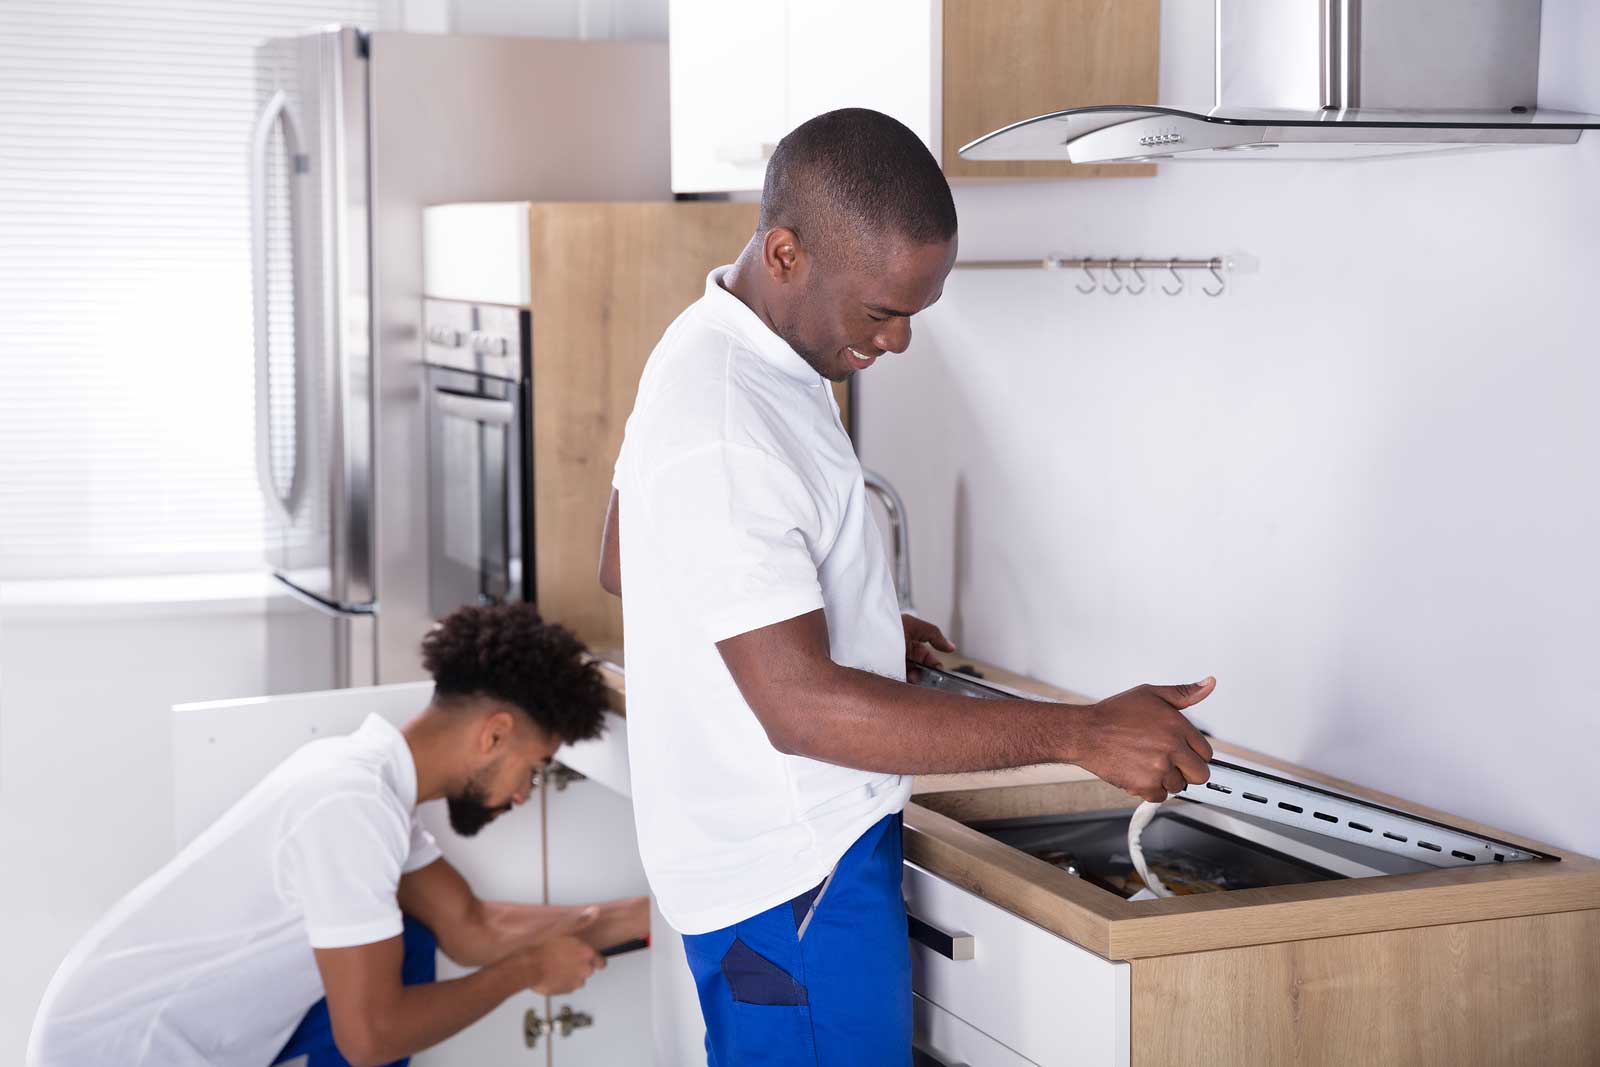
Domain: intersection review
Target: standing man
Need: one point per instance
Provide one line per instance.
(771, 730)
(297, 892)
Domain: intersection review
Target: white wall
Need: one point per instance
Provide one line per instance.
(86, 694)
(1358, 488)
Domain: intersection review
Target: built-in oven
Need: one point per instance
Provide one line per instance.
(477, 367)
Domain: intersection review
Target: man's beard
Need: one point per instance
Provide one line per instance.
(470, 810)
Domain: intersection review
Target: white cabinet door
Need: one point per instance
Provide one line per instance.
(223, 748)
(881, 55)
(503, 861)
(728, 91)
(593, 855)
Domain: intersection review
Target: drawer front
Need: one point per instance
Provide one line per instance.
(1048, 999)
(939, 1039)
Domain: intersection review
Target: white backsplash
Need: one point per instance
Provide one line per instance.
(1359, 488)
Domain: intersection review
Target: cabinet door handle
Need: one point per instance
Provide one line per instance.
(951, 946)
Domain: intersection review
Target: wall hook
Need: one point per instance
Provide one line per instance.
(1094, 283)
(1143, 283)
(1111, 265)
(1172, 268)
(1217, 274)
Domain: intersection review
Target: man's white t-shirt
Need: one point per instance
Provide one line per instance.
(741, 505)
(208, 963)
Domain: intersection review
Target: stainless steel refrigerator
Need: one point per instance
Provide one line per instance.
(355, 134)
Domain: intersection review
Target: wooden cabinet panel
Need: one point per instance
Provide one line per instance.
(607, 280)
(1510, 991)
(1008, 60)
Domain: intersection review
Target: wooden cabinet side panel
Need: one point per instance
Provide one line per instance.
(1008, 60)
(1509, 991)
(608, 279)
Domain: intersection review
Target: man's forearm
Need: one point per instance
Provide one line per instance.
(858, 719)
(496, 929)
(501, 927)
(424, 1015)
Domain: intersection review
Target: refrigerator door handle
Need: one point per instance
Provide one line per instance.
(275, 112)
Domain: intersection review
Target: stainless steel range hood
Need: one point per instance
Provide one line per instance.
(1329, 79)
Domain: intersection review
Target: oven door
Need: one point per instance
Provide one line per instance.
(477, 497)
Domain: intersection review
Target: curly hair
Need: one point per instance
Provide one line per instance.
(507, 652)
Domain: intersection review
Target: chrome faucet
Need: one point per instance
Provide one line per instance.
(899, 534)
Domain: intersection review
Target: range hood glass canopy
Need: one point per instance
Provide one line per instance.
(1329, 79)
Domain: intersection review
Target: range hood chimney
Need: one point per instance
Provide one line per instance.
(1329, 79)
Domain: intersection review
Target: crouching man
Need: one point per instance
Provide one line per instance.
(321, 882)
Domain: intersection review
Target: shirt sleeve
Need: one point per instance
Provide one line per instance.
(424, 849)
(739, 526)
(341, 864)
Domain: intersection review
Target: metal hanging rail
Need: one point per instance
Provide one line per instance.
(1115, 265)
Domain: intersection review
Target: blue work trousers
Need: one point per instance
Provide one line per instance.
(823, 980)
(314, 1036)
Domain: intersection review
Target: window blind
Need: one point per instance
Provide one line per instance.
(126, 374)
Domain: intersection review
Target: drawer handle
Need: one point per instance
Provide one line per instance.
(950, 946)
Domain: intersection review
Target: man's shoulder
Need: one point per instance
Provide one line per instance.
(698, 335)
(336, 767)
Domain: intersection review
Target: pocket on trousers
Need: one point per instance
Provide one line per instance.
(754, 979)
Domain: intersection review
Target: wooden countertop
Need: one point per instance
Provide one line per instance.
(937, 839)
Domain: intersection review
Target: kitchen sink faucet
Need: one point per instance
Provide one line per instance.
(899, 534)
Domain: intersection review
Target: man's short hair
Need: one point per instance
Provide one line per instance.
(850, 176)
(507, 652)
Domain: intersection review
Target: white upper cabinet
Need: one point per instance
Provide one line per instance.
(880, 54)
(745, 72)
(729, 91)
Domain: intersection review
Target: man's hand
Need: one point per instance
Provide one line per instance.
(616, 921)
(919, 635)
(1141, 742)
(559, 965)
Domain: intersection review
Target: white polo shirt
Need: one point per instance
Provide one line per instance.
(208, 963)
(741, 505)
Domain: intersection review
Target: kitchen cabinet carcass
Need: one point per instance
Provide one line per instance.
(742, 75)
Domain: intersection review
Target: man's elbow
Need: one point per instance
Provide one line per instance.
(464, 952)
(468, 942)
(795, 707)
(363, 1045)
(790, 733)
(610, 582)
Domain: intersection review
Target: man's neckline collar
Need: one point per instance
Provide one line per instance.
(739, 317)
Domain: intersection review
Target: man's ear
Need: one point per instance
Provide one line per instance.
(495, 732)
(783, 256)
